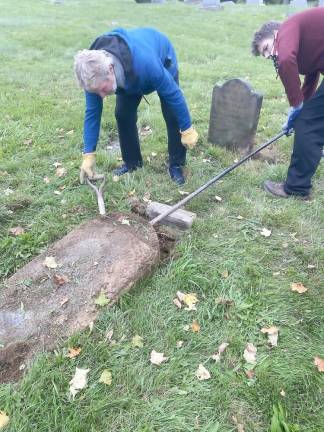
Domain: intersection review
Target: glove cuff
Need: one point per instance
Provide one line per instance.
(88, 155)
(187, 131)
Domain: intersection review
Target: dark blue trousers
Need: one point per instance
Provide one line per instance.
(126, 117)
(308, 145)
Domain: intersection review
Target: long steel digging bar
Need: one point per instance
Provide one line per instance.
(214, 179)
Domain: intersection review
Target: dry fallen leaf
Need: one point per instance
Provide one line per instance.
(46, 180)
(177, 303)
(57, 164)
(250, 353)
(73, 352)
(183, 193)
(157, 358)
(218, 198)
(202, 373)
(56, 192)
(265, 232)
(239, 217)
(225, 274)
(137, 341)
(272, 333)
(60, 279)
(4, 420)
(79, 381)
(109, 335)
(180, 295)
(61, 172)
(311, 266)
(190, 299)
(319, 363)
(220, 350)
(250, 373)
(239, 426)
(16, 231)
(125, 222)
(224, 301)
(131, 193)
(283, 393)
(106, 377)
(299, 287)
(195, 327)
(179, 344)
(115, 178)
(102, 300)
(50, 262)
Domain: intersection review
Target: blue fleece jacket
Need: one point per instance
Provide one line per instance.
(150, 65)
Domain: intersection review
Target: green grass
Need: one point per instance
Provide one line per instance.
(39, 98)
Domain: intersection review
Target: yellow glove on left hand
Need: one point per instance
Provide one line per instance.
(189, 138)
(87, 169)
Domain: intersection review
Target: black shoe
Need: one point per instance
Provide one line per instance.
(123, 169)
(176, 174)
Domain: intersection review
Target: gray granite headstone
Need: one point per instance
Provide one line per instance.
(302, 4)
(234, 115)
(254, 2)
(211, 4)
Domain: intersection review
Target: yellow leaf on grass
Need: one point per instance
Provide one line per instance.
(102, 300)
(106, 377)
(73, 352)
(319, 363)
(137, 341)
(190, 299)
(157, 358)
(4, 420)
(225, 274)
(299, 287)
(202, 373)
(195, 327)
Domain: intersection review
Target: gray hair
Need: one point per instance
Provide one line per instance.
(264, 32)
(91, 68)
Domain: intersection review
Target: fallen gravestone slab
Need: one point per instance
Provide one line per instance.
(234, 115)
(40, 306)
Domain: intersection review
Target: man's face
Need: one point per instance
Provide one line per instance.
(107, 87)
(266, 47)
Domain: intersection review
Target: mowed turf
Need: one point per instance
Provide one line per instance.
(241, 278)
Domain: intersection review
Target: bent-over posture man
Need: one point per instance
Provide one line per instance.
(133, 63)
(296, 46)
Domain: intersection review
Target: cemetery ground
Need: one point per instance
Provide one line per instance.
(241, 274)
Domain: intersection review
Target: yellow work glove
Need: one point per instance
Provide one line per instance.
(88, 166)
(189, 138)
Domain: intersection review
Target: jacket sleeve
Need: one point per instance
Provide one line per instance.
(288, 43)
(310, 84)
(92, 121)
(170, 92)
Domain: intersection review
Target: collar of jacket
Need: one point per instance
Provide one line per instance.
(119, 48)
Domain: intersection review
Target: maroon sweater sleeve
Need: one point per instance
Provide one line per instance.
(287, 45)
(310, 84)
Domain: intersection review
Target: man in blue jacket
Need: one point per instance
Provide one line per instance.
(131, 64)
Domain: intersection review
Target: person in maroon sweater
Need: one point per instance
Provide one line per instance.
(296, 47)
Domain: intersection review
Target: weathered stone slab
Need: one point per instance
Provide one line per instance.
(234, 115)
(211, 5)
(36, 311)
(183, 219)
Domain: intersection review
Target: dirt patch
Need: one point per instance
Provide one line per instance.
(108, 254)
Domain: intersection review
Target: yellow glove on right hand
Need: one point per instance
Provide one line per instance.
(189, 138)
(87, 169)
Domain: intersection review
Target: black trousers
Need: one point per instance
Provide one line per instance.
(126, 117)
(308, 145)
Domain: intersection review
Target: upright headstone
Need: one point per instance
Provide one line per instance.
(301, 4)
(254, 2)
(211, 4)
(234, 115)
(157, 1)
(192, 1)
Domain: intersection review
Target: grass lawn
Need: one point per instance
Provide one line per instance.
(222, 257)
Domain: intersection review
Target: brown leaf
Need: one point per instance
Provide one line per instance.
(177, 303)
(157, 358)
(202, 373)
(223, 301)
(239, 426)
(73, 352)
(250, 373)
(16, 231)
(60, 279)
(298, 287)
(319, 363)
(61, 172)
(195, 327)
(28, 142)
